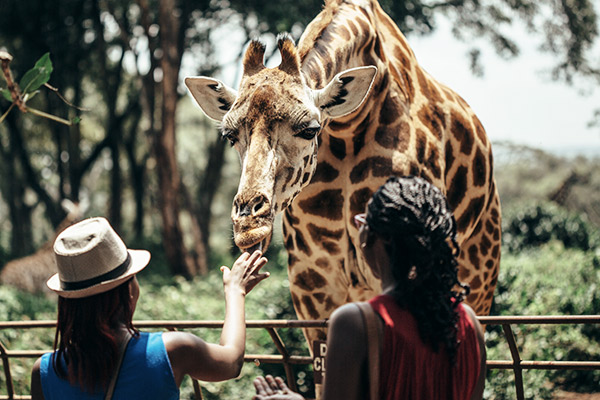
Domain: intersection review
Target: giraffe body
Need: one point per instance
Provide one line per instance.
(398, 122)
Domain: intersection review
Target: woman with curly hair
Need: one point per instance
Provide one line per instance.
(432, 345)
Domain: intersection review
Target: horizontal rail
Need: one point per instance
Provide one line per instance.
(516, 364)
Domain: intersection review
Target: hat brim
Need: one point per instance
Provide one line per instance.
(139, 261)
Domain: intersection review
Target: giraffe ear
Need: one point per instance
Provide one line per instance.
(346, 91)
(213, 96)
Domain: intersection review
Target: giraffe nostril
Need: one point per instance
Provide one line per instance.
(260, 204)
(256, 206)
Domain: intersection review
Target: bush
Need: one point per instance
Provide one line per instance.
(546, 280)
(539, 224)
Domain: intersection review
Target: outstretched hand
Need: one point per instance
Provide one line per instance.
(269, 388)
(245, 272)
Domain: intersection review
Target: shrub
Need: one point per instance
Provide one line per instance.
(541, 223)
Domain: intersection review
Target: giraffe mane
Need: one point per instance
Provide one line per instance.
(290, 63)
(318, 25)
(253, 59)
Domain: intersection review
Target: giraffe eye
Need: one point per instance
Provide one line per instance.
(229, 135)
(310, 131)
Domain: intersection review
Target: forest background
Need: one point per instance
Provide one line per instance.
(125, 141)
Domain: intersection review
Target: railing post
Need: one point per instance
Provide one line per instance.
(6, 364)
(517, 368)
(289, 372)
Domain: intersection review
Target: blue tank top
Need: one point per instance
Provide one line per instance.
(145, 374)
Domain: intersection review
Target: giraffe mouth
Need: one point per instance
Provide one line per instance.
(254, 239)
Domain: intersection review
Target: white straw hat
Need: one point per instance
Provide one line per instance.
(91, 259)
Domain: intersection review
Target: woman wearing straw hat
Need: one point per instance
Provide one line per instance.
(417, 340)
(98, 352)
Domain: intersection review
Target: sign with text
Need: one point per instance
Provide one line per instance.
(319, 351)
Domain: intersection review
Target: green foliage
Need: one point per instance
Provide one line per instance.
(546, 280)
(37, 76)
(538, 224)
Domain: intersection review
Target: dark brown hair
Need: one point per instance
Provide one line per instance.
(86, 336)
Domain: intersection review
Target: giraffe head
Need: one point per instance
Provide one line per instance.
(273, 122)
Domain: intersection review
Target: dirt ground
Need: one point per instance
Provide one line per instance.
(576, 396)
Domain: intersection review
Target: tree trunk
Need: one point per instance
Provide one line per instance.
(168, 173)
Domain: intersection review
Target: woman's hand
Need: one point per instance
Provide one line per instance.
(269, 388)
(244, 274)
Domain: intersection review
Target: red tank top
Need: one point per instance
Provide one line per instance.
(411, 370)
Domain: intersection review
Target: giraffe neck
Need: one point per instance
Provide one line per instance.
(355, 33)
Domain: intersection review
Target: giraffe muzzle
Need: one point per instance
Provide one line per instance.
(252, 221)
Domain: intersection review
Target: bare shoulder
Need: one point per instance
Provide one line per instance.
(180, 341)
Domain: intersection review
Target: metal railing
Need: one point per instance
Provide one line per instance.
(284, 357)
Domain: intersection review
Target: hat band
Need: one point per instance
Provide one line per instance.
(115, 273)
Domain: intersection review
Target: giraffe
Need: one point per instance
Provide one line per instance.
(317, 135)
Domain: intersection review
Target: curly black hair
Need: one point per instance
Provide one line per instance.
(415, 221)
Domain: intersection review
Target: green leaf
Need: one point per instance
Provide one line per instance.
(6, 94)
(75, 120)
(37, 76)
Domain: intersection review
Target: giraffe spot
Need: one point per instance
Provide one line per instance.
(432, 163)
(305, 178)
(496, 234)
(326, 238)
(319, 297)
(327, 204)
(339, 126)
(421, 145)
(297, 178)
(292, 259)
(289, 173)
(423, 83)
(301, 243)
(415, 169)
(472, 298)
(458, 187)
(479, 169)
(449, 155)
(495, 252)
(289, 243)
(290, 218)
(325, 173)
(463, 134)
(321, 335)
(343, 33)
(489, 264)
(485, 245)
(480, 131)
(358, 201)
(434, 118)
(471, 213)
(489, 227)
(393, 137)
(475, 283)
(377, 166)
(389, 109)
(322, 262)
(474, 256)
(449, 95)
(309, 280)
(306, 159)
(309, 305)
(358, 139)
(337, 147)
(296, 301)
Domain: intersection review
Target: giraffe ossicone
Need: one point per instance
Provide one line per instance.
(348, 107)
